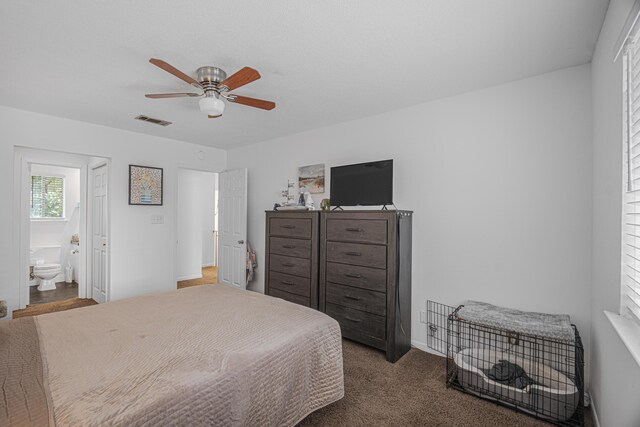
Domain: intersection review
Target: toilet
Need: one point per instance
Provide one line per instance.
(46, 273)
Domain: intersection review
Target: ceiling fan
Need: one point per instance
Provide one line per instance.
(215, 84)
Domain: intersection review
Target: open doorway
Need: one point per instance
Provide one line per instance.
(54, 222)
(57, 219)
(197, 228)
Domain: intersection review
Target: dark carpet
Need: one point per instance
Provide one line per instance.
(411, 392)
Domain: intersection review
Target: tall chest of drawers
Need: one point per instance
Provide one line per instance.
(365, 277)
(291, 256)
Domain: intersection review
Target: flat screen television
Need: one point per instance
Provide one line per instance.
(362, 184)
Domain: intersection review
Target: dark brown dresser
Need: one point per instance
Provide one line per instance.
(365, 276)
(291, 256)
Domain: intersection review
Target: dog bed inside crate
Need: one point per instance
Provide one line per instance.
(552, 395)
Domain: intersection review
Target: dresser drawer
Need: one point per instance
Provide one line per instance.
(289, 297)
(373, 279)
(290, 227)
(290, 265)
(358, 324)
(357, 230)
(291, 247)
(360, 299)
(357, 254)
(288, 283)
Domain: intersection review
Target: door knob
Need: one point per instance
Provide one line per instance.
(241, 242)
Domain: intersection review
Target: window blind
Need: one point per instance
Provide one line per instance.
(47, 196)
(630, 294)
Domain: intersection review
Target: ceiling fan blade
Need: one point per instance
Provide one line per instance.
(215, 117)
(171, 95)
(252, 102)
(170, 69)
(240, 78)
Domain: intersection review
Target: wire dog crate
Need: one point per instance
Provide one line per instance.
(532, 373)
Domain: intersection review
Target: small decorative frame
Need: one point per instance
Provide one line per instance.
(311, 178)
(145, 186)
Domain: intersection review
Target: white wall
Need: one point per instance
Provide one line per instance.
(195, 222)
(615, 376)
(499, 180)
(141, 253)
(209, 185)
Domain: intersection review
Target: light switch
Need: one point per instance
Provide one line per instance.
(157, 219)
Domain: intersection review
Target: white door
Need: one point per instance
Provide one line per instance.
(98, 276)
(232, 224)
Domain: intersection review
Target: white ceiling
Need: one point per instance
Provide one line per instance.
(322, 61)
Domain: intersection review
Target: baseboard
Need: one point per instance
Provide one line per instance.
(208, 265)
(596, 421)
(423, 346)
(420, 345)
(189, 277)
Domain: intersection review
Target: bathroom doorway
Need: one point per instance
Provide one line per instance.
(54, 230)
(52, 193)
(196, 228)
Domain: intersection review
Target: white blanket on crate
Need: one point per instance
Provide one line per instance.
(553, 326)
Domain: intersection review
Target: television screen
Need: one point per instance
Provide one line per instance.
(364, 184)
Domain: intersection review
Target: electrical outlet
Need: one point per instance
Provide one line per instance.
(157, 219)
(423, 316)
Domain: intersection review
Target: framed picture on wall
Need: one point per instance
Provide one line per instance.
(311, 178)
(145, 185)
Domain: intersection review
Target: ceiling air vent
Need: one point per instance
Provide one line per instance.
(154, 121)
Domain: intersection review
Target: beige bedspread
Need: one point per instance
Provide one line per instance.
(206, 355)
(23, 392)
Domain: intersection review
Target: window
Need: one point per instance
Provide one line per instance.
(47, 196)
(630, 295)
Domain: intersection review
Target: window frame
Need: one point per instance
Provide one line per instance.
(630, 188)
(63, 215)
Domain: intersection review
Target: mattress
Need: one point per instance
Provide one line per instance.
(205, 355)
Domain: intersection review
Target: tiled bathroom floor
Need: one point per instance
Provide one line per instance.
(63, 291)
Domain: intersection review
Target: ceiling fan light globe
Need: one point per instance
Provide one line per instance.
(211, 106)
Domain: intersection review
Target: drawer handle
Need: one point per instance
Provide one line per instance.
(352, 298)
(286, 282)
(353, 276)
(353, 253)
(290, 227)
(350, 319)
(354, 229)
(288, 264)
(289, 246)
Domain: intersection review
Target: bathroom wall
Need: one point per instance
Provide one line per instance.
(46, 234)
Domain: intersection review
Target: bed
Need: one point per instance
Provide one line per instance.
(206, 355)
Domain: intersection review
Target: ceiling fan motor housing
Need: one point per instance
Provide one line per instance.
(209, 77)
